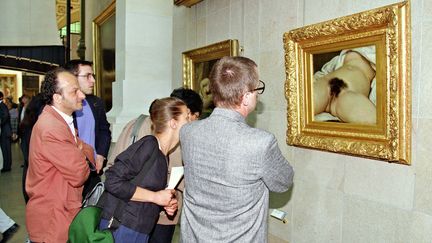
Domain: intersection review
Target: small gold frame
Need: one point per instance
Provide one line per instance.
(205, 54)
(187, 3)
(197, 64)
(8, 85)
(388, 29)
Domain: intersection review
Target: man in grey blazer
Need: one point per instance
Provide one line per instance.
(230, 167)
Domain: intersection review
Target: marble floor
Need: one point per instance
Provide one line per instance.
(11, 197)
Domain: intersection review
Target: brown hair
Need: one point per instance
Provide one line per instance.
(162, 111)
(73, 65)
(50, 85)
(230, 78)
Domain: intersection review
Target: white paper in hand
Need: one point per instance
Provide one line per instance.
(176, 175)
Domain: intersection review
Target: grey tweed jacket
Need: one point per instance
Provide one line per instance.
(230, 168)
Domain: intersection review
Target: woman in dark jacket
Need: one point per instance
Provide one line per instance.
(144, 199)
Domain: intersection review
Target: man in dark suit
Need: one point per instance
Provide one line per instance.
(24, 100)
(91, 121)
(5, 135)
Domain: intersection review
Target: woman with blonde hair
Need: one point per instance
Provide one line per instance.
(145, 197)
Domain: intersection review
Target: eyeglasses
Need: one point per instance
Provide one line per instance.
(88, 75)
(260, 90)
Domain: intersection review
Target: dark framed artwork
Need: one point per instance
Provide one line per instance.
(104, 53)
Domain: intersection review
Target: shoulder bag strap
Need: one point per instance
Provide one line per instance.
(137, 127)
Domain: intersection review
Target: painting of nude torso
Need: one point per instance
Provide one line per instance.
(344, 86)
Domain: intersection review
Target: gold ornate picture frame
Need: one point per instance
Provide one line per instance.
(187, 3)
(197, 64)
(357, 69)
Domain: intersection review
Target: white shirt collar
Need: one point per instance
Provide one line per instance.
(66, 117)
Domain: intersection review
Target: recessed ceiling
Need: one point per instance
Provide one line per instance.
(61, 12)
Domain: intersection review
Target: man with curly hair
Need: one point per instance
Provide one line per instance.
(58, 161)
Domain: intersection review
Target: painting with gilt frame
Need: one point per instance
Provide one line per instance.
(197, 64)
(348, 84)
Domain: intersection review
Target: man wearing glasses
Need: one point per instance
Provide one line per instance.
(91, 120)
(230, 167)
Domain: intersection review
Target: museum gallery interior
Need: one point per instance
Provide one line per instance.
(363, 171)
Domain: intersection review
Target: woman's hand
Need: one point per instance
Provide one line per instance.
(172, 207)
(161, 198)
(164, 197)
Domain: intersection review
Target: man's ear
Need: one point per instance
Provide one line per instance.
(245, 98)
(57, 98)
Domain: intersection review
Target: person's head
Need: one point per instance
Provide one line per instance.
(83, 70)
(60, 89)
(1, 95)
(8, 102)
(232, 82)
(24, 100)
(192, 99)
(31, 113)
(168, 114)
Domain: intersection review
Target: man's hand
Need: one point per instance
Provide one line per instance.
(99, 162)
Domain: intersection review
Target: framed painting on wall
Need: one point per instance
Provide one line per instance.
(8, 85)
(104, 53)
(197, 64)
(187, 3)
(348, 84)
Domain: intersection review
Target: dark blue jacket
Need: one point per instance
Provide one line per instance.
(6, 129)
(102, 138)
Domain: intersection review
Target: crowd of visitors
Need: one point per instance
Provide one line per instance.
(229, 166)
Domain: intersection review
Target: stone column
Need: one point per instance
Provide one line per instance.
(143, 58)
